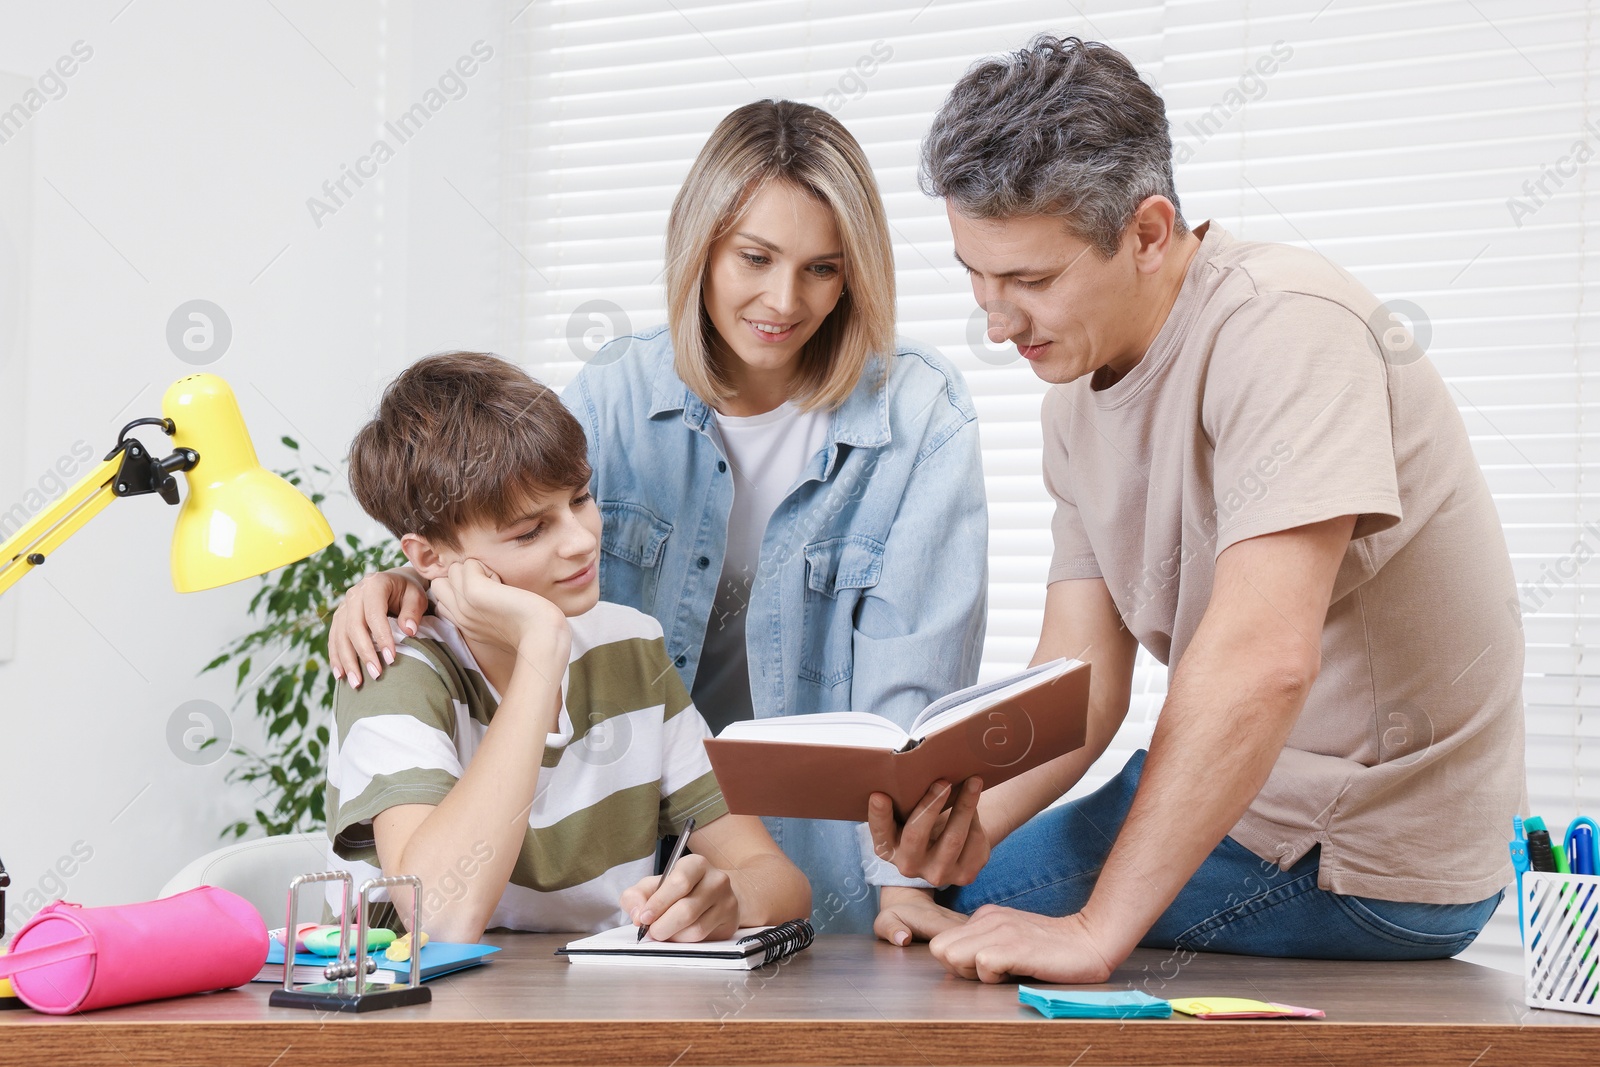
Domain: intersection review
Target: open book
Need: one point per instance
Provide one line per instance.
(826, 765)
(745, 951)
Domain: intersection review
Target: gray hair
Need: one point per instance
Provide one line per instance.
(1063, 127)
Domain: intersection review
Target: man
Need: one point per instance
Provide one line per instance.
(1259, 479)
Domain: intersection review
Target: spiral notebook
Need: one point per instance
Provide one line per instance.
(745, 951)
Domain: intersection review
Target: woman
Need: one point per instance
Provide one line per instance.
(796, 496)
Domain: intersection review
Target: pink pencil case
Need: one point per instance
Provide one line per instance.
(69, 958)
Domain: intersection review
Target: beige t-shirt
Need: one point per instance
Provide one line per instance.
(1264, 404)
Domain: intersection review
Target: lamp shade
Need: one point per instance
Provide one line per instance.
(239, 519)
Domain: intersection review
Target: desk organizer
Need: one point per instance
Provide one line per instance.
(1561, 941)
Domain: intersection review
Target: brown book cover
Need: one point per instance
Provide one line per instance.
(806, 780)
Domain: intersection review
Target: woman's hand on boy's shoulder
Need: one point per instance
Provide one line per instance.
(359, 636)
(487, 611)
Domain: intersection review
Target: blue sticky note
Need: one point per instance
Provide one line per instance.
(1093, 1004)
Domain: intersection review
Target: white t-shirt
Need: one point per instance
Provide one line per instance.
(767, 454)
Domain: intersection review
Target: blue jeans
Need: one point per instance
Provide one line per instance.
(1236, 902)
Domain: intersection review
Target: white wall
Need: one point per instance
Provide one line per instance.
(176, 166)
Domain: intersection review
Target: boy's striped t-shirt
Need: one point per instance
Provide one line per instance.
(625, 767)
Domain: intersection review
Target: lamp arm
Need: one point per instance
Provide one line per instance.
(44, 533)
(279, 525)
(128, 470)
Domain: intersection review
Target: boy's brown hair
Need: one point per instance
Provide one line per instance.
(459, 438)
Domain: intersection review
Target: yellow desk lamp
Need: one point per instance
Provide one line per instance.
(240, 520)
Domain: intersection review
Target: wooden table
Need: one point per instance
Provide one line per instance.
(846, 1000)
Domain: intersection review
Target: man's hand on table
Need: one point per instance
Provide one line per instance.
(997, 943)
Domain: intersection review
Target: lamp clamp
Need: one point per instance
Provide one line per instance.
(142, 473)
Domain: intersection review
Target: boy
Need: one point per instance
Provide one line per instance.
(529, 744)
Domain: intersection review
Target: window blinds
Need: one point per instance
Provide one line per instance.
(1437, 150)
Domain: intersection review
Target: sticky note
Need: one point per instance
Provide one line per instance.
(1240, 1008)
(1093, 1004)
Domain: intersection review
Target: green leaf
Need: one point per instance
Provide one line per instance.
(289, 442)
(291, 609)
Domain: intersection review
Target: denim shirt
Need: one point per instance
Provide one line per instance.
(870, 593)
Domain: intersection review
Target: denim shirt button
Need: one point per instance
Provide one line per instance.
(722, 466)
(680, 661)
(703, 562)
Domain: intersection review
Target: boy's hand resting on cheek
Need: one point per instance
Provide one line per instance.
(490, 613)
(697, 903)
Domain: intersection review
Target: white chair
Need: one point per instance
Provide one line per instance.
(260, 871)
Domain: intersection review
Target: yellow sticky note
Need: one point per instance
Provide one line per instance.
(1219, 1005)
(1241, 1008)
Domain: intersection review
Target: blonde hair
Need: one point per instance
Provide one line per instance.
(780, 140)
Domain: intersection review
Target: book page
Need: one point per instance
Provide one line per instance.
(971, 701)
(852, 728)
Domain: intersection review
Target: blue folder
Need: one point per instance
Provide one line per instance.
(441, 957)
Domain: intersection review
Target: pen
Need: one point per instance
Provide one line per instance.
(1580, 846)
(672, 861)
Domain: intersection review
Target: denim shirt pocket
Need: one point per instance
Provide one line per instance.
(838, 571)
(631, 539)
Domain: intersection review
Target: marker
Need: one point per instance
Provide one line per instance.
(1540, 857)
(1580, 846)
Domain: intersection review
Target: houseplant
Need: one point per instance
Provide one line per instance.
(292, 694)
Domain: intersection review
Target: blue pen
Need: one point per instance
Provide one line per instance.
(1519, 863)
(1580, 845)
